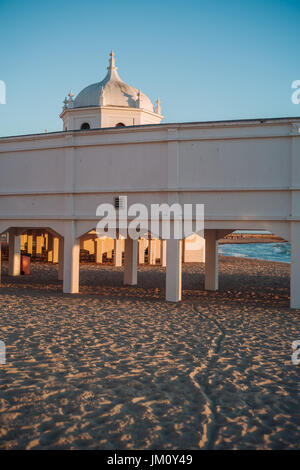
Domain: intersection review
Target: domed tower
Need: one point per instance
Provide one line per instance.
(109, 103)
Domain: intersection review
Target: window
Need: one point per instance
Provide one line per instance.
(120, 124)
(85, 126)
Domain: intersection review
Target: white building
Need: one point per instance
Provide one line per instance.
(246, 173)
(109, 103)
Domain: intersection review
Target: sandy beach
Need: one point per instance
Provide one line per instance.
(117, 367)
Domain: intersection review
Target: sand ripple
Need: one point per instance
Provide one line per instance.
(119, 368)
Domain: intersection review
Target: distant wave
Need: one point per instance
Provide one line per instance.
(265, 251)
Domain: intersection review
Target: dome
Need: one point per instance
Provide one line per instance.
(112, 91)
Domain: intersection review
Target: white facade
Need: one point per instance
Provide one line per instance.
(246, 173)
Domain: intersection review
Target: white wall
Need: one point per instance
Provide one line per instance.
(245, 173)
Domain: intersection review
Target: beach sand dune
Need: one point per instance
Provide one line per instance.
(117, 367)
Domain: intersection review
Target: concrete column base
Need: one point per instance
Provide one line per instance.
(118, 252)
(142, 247)
(152, 251)
(99, 250)
(174, 271)
(61, 259)
(163, 253)
(29, 243)
(130, 270)
(71, 261)
(39, 243)
(14, 262)
(50, 249)
(55, 249)
(211, 260)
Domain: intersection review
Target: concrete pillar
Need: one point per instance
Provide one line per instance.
(142, 247)
(14, 262)
(46, 239)
(98, 250)
(23, 241)
(211, 260)
(152, 251)
(89, 245)
(174, 270)
(29, 243)
(39, 242)
(71, 261)
(118, 252)
(131, 254)
(108, 244)
(61, 259)
(55, 248)
(50, 248)
(295, 265)
(108, 249)
(163, 253)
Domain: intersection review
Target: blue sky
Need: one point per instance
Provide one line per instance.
(206, 60)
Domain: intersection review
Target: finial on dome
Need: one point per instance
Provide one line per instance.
(112, 61)
(158, 107)
(65, 102)
(69, 102)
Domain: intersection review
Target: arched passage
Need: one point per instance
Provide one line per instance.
(245, 251)
(31, 241)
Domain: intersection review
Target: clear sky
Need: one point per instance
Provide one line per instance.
(206, 60)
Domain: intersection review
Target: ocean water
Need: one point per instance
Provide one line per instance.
(266, 251)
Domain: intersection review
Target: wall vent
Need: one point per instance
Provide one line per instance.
(119, 202)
